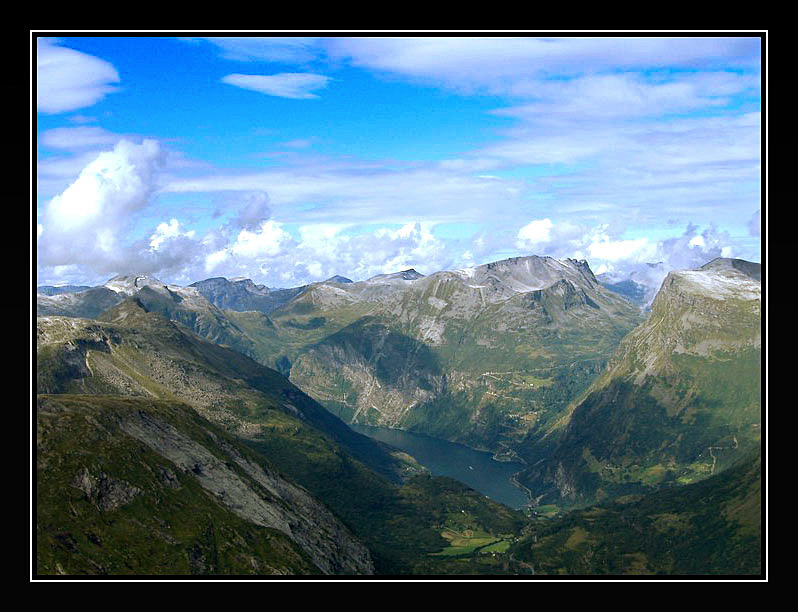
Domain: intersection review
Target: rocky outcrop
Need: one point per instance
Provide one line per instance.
(106, 492)
(265, 500)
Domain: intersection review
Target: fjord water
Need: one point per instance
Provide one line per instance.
(477, 469)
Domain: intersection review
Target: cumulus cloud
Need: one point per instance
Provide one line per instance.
(272, 256)
(650, 264)
(643, 259)
(534, 233)
(67, 80)
(294, 85)
(605, 249)
(266, 241)
(88, 221)
(165, 232)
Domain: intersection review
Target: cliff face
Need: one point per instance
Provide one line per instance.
(485, 356)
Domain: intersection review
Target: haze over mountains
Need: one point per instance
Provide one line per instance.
(532, 358)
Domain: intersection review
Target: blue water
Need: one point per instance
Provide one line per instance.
(475, 468)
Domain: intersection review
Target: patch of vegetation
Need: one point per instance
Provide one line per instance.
(314, 323)
(708, 528)
(166, 524)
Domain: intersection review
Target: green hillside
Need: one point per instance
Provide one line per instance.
(679, 401)
(140, 355)
(712, 527)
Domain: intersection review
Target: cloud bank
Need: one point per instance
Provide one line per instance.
(595, 137)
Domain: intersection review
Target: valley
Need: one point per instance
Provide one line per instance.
(525, 379)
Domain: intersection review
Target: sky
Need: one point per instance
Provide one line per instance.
(290, 159)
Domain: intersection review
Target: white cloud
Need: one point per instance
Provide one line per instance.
(67, 80)
(688, 251)
(500, 65)
(114, 184)
(271, 256)
(281, 49)
(637, 250)
(77, 138)
(534, 233)
(88, 222)
(266, 241)
(212, 260)
(294, 85)
(167, 231)
(353, 193)
(605, 96)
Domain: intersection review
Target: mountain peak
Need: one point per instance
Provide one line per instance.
(408, 275)
(720, 279)
(338, 279)
(749, 268)
(130, 283)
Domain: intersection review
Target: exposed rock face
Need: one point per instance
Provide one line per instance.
(106, 492)
(389, 372)
(446, 354)
(338, 279)
(133, 449)
(244, 294)
(287, 508)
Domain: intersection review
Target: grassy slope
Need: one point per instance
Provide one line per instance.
(679, 401)
(337, 466)
(709, 527)
(172, 526)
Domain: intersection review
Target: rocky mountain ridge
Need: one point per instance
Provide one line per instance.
(479, 333)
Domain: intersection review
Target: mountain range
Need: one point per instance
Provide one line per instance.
(532, 358)
(457, 354)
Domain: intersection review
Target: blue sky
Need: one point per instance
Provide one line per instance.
(288, 160)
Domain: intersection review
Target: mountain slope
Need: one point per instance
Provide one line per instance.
(244, 295)
(476, 356)
(680, 399)
(183, 305)
(87, 303)
(712, 527)
(141, 486)
(50, 290)
(132, 351)
(513, 341)
(144, 357)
